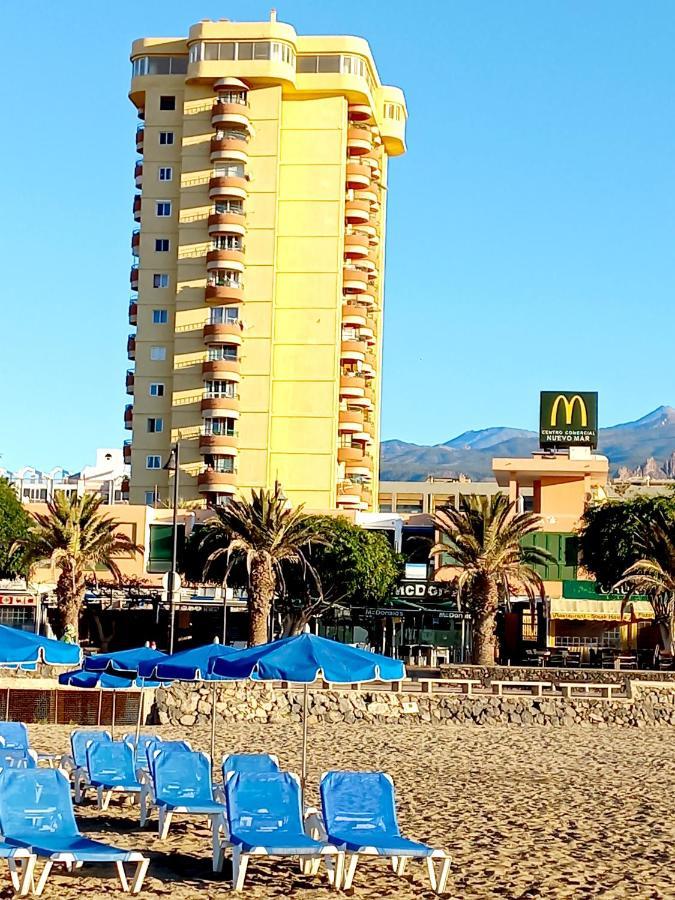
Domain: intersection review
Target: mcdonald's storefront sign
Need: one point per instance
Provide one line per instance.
(568, 419)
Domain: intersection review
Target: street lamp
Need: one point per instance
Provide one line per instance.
(173, 465)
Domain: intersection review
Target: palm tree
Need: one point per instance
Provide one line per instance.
(483, 539)
(264, 533)
(654, 573)
(76, 538)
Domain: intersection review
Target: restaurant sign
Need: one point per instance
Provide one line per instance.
(568, 419)
(18, 600)
(423, 590)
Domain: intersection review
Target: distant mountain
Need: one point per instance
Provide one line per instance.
(643, 447)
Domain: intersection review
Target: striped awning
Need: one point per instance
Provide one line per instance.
(601, 610)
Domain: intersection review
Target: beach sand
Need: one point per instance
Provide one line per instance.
(525, 812)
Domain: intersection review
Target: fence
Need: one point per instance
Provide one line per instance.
(42, 705)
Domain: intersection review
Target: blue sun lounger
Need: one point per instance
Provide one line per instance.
(111, 768)
(21, 863)
(249, 762)
(359, 814)
(264, 813)
(36, 812)
(145, 773)
(140, 747)
(14, 736)
(18, 759)
(182, 784)
(76, 763)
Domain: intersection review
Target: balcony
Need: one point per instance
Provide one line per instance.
(354, 281)
(356, 245)
(363, 466)
(137, 208)
(371, 196)
(357, 212)
(140, 134)
(359, 112)
(225, 259)
(221, 368)
(349, 454)
(352, 386)
(133, 312)
(228, 148)
(222, 333)
(350, 420)
(138, 173)
(130, 381)
(222, 187)
(358, 176)
(226, 223)
(359, 141)
(131, 346)
(232, 292)
(133, 278)
(367, 297)
(212, 443)
(220, 403)
(353, 351)
(372, 159)
(211, 480)
(348, 494)
(135, 241)
(126, 452)
(229, 114)
(128, 416)
(354, 314)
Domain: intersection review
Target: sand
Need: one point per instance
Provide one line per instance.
(526, 813)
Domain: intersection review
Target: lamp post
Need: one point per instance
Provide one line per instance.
(173, 465)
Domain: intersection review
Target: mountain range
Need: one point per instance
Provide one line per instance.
(643, 447)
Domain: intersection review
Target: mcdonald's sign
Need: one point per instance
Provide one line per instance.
(568, 419)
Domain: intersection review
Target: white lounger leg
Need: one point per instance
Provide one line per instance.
(351, 859)
(239, 866)
(122, 875)
(165, 817)
(104, 797)
(21, 873)
(335, 867)
(398, 864)
(77, 784)
(438, 880)
(139, 875)
(217, 847)
(42, 880)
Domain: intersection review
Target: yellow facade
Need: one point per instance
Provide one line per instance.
(268, 179)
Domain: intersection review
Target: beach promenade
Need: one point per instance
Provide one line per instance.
(537, 812)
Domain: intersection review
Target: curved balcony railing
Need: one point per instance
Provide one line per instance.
(222, 332)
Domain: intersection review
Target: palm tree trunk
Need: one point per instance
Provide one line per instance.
(484, 623)
(261, 592)
(70, 599)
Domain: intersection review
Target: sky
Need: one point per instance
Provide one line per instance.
(530, 225)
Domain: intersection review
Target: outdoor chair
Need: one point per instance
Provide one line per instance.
(111, 768)
(152, 746)
(140, 747)
(18, 759)
(264, 813)
(76, 763)
(182, 784)
(36, 812)
(14, 735)
(249, 762)
(145, 773)
(359, 816)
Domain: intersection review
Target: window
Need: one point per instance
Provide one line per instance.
(229, 170)
(162, 245)
(159, 65)
(150, 498)
(166, 137)
(228, 242)
(155, 425)
(223, 351)
(160, 280)
(224, 315)
(220, 388)
(167, 101)
(157, 389)
(160, 316)
(235, 207)
(229, 50)
(165, 173)
(219, 425)
(157, 354)
(220, 463)
(153, 462)
(163, 207)
(225, 278)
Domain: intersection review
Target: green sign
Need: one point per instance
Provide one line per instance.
(591, 590)
(568, 419)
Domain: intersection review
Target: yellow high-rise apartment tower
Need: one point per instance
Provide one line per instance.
(259, 263)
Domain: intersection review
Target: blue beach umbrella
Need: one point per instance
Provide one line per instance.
(304, 658)
(122, 661)
(22, 649)
(195, 664)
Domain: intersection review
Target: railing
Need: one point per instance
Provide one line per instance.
(211, 395)
(228, 283)
(204, 433)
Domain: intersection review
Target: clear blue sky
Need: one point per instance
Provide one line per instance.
(531, 241)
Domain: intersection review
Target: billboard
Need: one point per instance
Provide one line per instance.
(568, 419)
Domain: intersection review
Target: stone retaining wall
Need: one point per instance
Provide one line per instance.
(186, 705)
(487, 674)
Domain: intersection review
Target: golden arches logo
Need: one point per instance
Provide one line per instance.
(569, 404)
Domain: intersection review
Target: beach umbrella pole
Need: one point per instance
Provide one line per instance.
(100, 705)
(213, 724)
(140, 715)
(305, 706)
(112, 727)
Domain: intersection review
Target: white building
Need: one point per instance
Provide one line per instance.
(108, 477)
